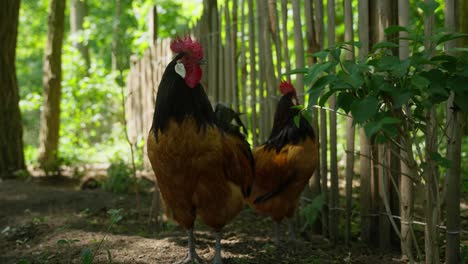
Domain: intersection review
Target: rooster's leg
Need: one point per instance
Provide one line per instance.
(192, 256)
(277, 235)
(217, 257)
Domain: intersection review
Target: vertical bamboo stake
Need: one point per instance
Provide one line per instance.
(261, 84)
(454, 131)
(271, 83)
(253, 79)
(406, 184)
(299, 47)
(275, 32)
(228, 78)
(430, 175)
(364, 159)
(243, 66)
(233, 38)
(320, 36)
(334, 195)
(284, 28)
(314, 187)
(350, 134)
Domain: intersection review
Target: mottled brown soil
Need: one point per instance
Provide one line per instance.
(35, 215)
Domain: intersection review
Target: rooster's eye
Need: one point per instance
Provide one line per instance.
(180, 68)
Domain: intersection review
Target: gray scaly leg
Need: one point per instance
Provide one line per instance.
(192, 256)
(217, 257)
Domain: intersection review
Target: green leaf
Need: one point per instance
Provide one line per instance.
(308, 115)
(335, 53)
(316, 70)
(355, 79)
(87, 256)
(297, 119)
(384, 45)
(344, 101)
(401, 98)
(428, 7)
(318, 87)
(443, 162)
(321, 54)
(395, 29)
(62, 242)
(324, 98)
(451, 36)
(364, 109)
(420, 81)
(388, 63)
(371, 128)
(297, 71)
(116, 215)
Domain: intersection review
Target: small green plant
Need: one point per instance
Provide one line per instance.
(119, 178)
(67, 243)
(87, 255)
(312, 210)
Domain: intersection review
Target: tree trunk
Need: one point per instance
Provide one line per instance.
(153, 24)
(78, 12)
(11, 138)
(334, 194)
(50, 115)
(350, 131)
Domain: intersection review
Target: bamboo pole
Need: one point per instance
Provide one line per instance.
(334, 195)
(299, 47)
(253, 79)
(350, 131)
(284, 28)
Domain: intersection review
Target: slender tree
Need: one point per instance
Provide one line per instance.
(50, 115)
(11, 137)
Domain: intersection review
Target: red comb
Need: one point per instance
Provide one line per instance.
(186, 44)
(287, 87)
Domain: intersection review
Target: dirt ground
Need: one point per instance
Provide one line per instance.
(54, 222)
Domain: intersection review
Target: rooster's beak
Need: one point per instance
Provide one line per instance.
(202, 62)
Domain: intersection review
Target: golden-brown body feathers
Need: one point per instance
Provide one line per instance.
(281, 176)
(200, 172)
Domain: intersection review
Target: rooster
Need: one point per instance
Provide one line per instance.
(285, 163)
(201, 171)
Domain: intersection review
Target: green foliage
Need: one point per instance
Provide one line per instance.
(312, 210)
(91, 127)
(119, 178)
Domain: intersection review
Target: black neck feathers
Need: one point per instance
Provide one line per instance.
(284, 129)
(175, 100)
